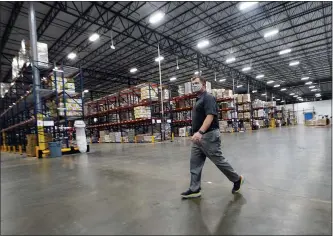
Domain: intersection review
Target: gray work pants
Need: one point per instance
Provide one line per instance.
(209, 146)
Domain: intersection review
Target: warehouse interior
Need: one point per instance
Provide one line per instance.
(96, 113)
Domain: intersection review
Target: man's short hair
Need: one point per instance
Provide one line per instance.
(202, 79)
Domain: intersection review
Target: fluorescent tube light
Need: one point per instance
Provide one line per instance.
(246, 68)
(156, 17)
(71, 56)
(231, 59)
(133, 70)
(160, 58)
(271, 33)
(260, 76)
(203, 44)
(285, 51)
(294, 63)
(246, 5)
(94, 37)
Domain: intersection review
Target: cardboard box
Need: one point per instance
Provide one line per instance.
(188, 88)
(227, 93)
(246, 97)
(239, 98)
(182, 132)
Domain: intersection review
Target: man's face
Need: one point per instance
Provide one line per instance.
(197, 85)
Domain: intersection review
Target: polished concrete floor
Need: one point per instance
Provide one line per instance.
(135, 188)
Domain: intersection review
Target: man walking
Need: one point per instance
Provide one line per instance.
(206, 141)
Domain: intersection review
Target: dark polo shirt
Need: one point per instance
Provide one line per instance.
(205, 105)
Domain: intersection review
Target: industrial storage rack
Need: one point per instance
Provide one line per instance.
(22, 117)
(115, 113)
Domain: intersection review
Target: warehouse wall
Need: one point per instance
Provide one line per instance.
(320, 107)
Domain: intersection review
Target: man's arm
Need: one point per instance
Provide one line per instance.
(207, 122)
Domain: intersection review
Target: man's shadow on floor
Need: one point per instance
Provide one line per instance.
(227, 221)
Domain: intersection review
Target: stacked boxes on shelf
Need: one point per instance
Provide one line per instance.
(208, 87)
(225, 127)
(218, 93)
(31, 144)
(148, 92)
(181, 90)
(102, 135)
(141, 112)
(73, 107)
(188, 88)
(244, 106)
(227, 93)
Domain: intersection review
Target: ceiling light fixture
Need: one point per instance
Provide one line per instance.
(246, 5)
(86, 91)
(197, 72)
(278, 99)
(94, 37)
(308, 83)
(283, 89)
(292, 94)
(160, 58)
(10, 106)
(156, 17)
(6, 91)
(203, 44)
(231, 59)
(254, 91)
(173, 78)
(222, 80)
(12, 84)
(318, 94)
(112, 45)
(313, 90)
(285, 51)
(271, 33)
(56, 69)
(260, 76)
(71, 56)
(133, 70)
(246, 68)
(270, 81)
(264, 94)
(238, 86)
(294, 63)
(311, 87)
(305, 78)
(277, 85)
(295, 96)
